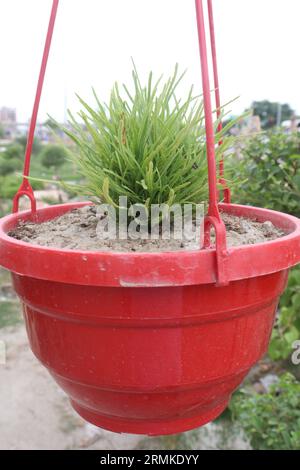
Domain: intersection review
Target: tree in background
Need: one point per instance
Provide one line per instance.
(2, 132)
(270, 172)
(11, 159)
(13, 151)
(269, 112)
(37, 145)
(53, 156)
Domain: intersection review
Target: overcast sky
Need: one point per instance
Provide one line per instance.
(257, 40)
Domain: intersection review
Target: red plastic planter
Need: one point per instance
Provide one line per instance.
(146, 342)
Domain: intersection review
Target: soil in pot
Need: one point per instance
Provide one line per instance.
(76, 230)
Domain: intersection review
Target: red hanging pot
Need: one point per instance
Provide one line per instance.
(150, 343)
(147, 342)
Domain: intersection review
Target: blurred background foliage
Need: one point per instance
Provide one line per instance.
(268, 164)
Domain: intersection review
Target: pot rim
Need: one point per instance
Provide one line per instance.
(148, 269)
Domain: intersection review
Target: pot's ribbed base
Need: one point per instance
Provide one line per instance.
(148, 427)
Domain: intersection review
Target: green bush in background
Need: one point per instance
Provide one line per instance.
(270, 164)
(10, 184)
(271, 421)
(13, 151)
(36, 147)
(2, 132)
(9, 166)
(53, 156)
(287, 327)
(269, 167)
(11, 159)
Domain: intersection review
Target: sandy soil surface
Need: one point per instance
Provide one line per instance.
(79, 230)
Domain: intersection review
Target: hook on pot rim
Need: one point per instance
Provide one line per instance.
(24, 190)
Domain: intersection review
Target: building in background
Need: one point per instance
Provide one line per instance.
(8, 122)
(8, 116)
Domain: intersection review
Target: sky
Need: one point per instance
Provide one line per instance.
(94, 40)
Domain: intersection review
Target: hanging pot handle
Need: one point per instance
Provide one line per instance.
(25, 188)
(222, 181)
(213, 218)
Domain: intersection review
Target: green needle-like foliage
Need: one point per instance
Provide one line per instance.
(145, 144)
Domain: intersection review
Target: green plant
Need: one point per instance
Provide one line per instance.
(10, 184)
(11, 159)
(270, 168)
(287, 327)
(8, 166)
(268, 112)
(271, 420)
(10, 314)
(5, 207)
(2, 132)
(146, 145)
(53, 156)
(36, 147)
(13, 151)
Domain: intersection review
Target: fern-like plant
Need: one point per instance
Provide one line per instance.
(145, 144)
